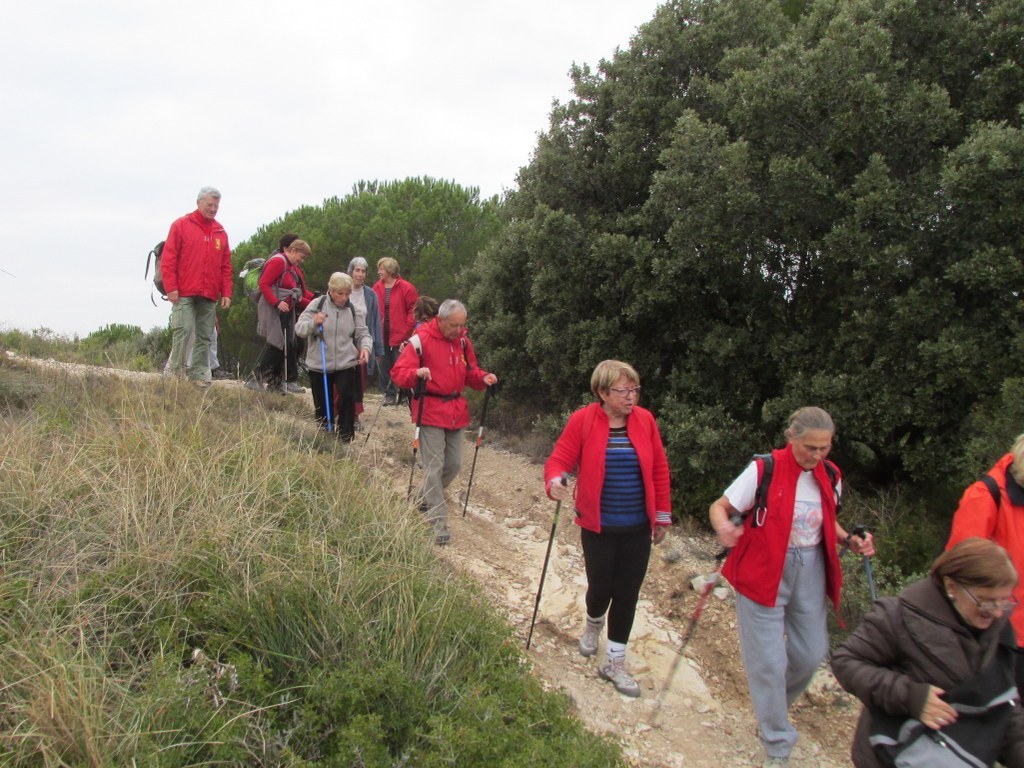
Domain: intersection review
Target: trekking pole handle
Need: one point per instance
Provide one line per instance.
(736, 519)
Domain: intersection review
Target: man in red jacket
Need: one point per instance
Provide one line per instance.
(196, 270)
(442, 357)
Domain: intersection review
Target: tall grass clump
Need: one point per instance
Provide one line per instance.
(191, 578)
(114, 346)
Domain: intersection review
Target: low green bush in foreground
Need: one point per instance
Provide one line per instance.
(190, 579)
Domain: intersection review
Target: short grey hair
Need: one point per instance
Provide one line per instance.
(807, 419)
(449, 307)
(208, 192)
(358, 261)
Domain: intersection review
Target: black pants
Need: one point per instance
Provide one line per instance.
(342, 385)
(271, 365)
(616, 565)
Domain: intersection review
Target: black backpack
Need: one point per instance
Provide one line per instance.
(767, 466)
(158, 280)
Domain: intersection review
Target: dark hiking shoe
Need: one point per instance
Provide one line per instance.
(614, 671)
(442, 539)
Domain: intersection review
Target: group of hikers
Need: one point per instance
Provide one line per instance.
(935, 666)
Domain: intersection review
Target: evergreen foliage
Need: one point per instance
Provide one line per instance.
(433, 228)
(767, 205)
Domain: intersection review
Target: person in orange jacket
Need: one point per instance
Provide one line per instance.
(993, 508)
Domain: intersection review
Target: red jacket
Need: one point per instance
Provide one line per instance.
(583, 444)
(196, 260)
(403, 299)
(977, 515)
(754, 566)
(278, 278)
(452, 367)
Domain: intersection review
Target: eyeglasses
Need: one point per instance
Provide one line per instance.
(990, 606)
(627, 392)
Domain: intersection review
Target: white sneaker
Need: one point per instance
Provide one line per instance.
(591, 636)
(614, 671)
(775, 762)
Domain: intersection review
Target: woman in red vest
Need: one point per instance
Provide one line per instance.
(783, 565)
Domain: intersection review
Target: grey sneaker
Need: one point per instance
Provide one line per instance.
(292, 388)
(254, 385)
(775, 762)
(614, 671)
(201, 384)
(591, 636)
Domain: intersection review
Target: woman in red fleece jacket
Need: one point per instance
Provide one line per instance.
(622, 504)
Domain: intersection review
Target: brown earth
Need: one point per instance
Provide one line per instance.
(703, 716)
(697, 714)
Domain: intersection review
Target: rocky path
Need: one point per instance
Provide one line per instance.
(703, 718)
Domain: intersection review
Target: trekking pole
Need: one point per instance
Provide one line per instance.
(416, 435)
(544, 569)
(698, 609)
(861, 531)
(327, 395)
(380, 407)
(491, 391)
(284, 331)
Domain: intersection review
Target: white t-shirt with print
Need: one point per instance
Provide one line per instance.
(807, 514)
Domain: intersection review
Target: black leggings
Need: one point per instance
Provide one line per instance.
(343, 385)
(616, 565)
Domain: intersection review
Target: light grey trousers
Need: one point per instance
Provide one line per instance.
(442, 461)
(783, 646)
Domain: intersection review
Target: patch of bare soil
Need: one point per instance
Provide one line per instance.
(702, 716)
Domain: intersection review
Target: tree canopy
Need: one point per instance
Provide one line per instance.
(433, 228)
(764, 205)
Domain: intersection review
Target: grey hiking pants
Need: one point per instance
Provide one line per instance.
(442, 461)
(783, 646)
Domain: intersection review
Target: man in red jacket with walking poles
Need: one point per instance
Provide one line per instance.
(440, 355)
(196, 270)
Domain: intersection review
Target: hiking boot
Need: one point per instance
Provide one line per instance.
(614, 671)
(254, 384)
(201, 384)
(358, 425)
(444, 538)
(775, 762)
(591, 636)
(291, 388)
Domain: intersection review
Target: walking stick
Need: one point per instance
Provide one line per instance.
(544, 569)
(327, 396)
(698, 609)
(284, 330)
(416, 434)
(373, 423)
(491, 391)
(860, 531)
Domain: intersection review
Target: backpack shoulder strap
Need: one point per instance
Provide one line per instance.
(833, 477)
(993, 489)
(320, 304)
(765, 467)
(417, 345)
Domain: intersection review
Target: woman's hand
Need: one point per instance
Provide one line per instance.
(558, 489)
(318, 319)
(723, 516)
(282, 306)
(937, 713)
(364, 356)
(658, 534)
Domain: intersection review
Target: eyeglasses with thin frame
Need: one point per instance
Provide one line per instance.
(625, 392)
(990, 606)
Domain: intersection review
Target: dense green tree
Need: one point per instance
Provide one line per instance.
(764, 205)
(433, 228)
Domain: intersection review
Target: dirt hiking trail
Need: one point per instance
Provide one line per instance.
(704, 718)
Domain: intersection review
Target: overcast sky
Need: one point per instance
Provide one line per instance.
(117, 112)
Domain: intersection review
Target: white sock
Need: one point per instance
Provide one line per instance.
(616, 650)
(596, 623)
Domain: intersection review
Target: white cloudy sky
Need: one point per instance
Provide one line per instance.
(117, 111)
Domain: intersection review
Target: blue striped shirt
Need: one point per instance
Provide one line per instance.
(622, 495)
